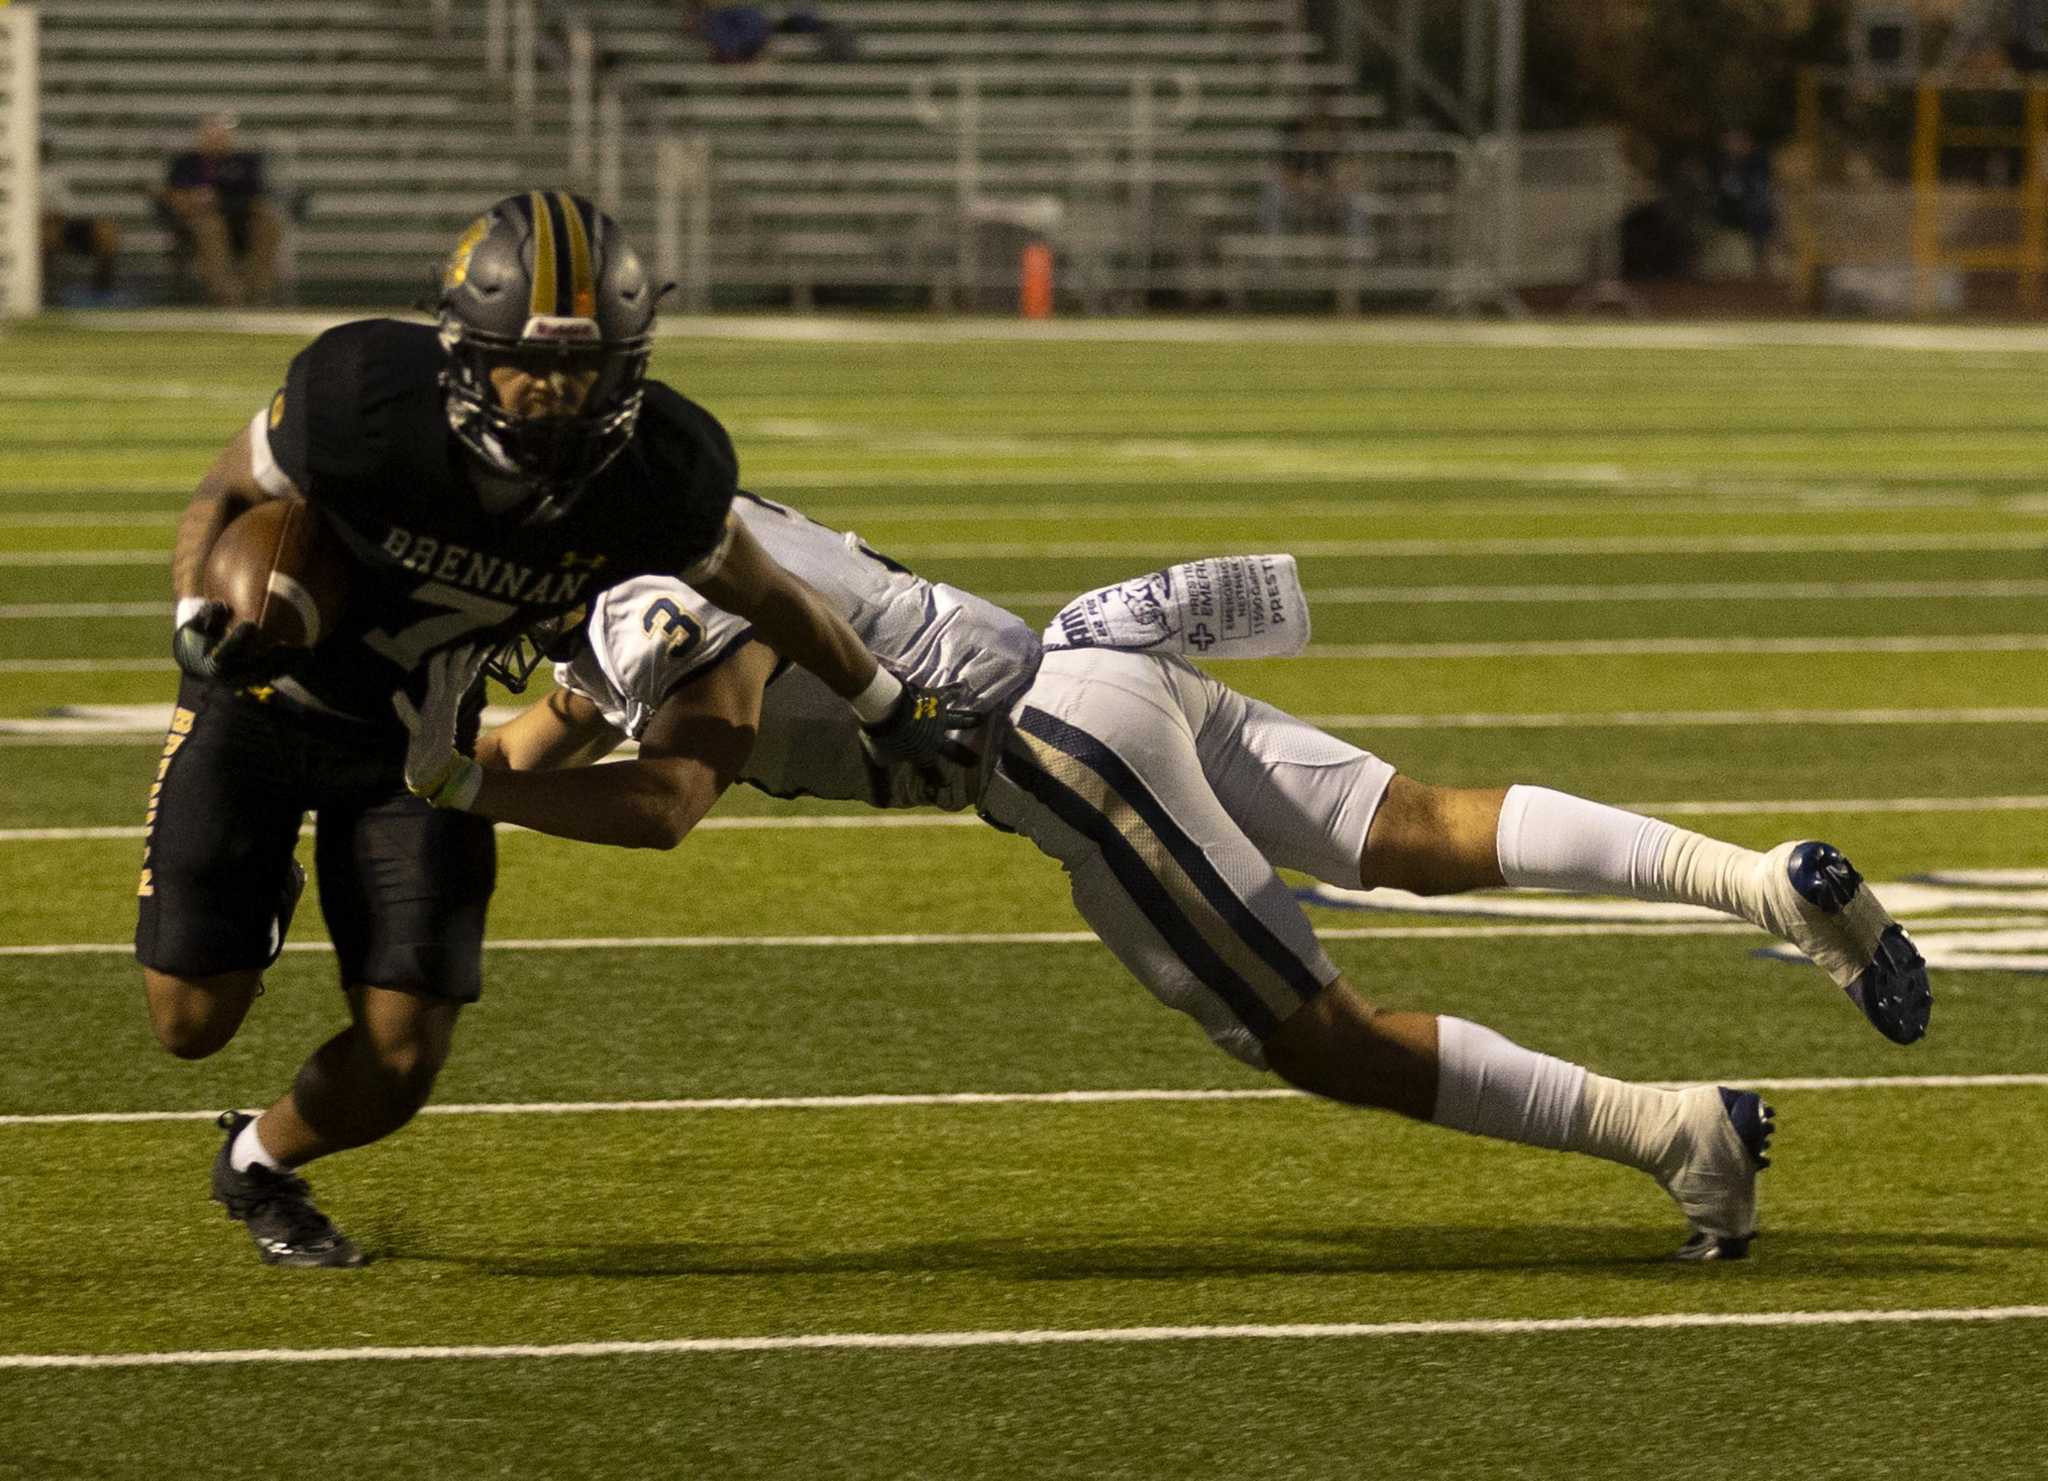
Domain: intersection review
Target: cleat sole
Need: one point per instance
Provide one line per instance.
(1893, 990)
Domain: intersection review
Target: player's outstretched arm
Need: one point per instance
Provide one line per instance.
(903, 722)
(788, 614)
(533, 772)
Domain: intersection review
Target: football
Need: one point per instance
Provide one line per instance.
(276, 565)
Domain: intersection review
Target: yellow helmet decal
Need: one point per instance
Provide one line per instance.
(543, 301)
(457, 271)
(582, 288)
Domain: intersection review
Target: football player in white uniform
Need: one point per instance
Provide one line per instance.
(1170, 798)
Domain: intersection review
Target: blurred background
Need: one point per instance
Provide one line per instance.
(1637, 157)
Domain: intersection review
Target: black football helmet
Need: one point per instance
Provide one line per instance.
(544, 282)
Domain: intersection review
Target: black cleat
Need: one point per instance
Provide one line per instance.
(277, 1208)
(287, 902)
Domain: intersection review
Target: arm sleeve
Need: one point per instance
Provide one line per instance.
(263, 465)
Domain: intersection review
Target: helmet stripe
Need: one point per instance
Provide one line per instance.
(545, 290)
(582, 290)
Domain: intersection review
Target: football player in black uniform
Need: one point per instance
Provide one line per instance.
(487, 475)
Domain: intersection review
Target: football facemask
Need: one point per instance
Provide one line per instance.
(553, 640)
(553, 442)
(544, 285)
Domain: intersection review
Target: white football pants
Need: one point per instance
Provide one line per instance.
(1170, 799)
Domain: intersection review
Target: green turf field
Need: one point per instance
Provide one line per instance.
(761, 1158)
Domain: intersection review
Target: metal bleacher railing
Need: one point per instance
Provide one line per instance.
(1139, 138)
(20, 218)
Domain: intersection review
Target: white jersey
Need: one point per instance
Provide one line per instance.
(1167, 796)
(651, 635)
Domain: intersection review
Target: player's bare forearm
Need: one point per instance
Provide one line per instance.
(225, 490)
(629, 804)
(562, 730)
(692, 748)
(789, 616)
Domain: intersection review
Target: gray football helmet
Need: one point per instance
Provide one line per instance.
(544, 282)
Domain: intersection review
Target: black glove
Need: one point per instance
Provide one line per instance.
(915, 727)
(211, 645)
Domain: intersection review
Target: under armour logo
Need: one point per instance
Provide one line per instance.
(1200, 638)
(570, 560)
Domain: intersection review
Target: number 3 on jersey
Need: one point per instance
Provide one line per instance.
(682, 630)
(467, 613)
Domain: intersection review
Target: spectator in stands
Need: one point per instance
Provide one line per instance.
(740, 33)
(836, 40)
(1314, 187)
(1745, 205)
(67, 229)
(218, 202)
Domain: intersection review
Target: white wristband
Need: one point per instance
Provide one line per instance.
(874, 702)
(187, 609)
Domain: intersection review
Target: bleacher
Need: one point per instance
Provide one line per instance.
(382, 136)
(856, 172)
(1141, 129)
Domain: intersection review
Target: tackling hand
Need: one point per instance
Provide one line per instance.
(434, 769)
(211, 646)
(915, 728)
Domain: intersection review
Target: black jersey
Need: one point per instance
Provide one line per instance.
(360, 427)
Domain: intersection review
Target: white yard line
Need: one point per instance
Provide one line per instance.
(125, 724)
(1397, 549)
(1646, 647)
(964, 938)
(160, 557)
(926, 1341)
(84, 665)
(941, 1099)
(125, 520)
(70, 611)
(1537, 545)
(1670, 719)
(1669, 591)
(1339, 596)
(1424, 652)
(883, 820)
(709, 825)
(1747, 809)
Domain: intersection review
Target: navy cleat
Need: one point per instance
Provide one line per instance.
(277, 1208)
(1816, 900)
(1723, 1136)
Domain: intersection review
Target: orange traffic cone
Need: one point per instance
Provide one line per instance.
(1034, 282)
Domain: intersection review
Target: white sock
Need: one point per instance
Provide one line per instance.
(1552, 840)
(1488, 1085)
(249, 1150)
(1625, 1122)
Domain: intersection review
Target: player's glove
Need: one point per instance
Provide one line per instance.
(915, 728)
(210, 645)
(434, 769)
